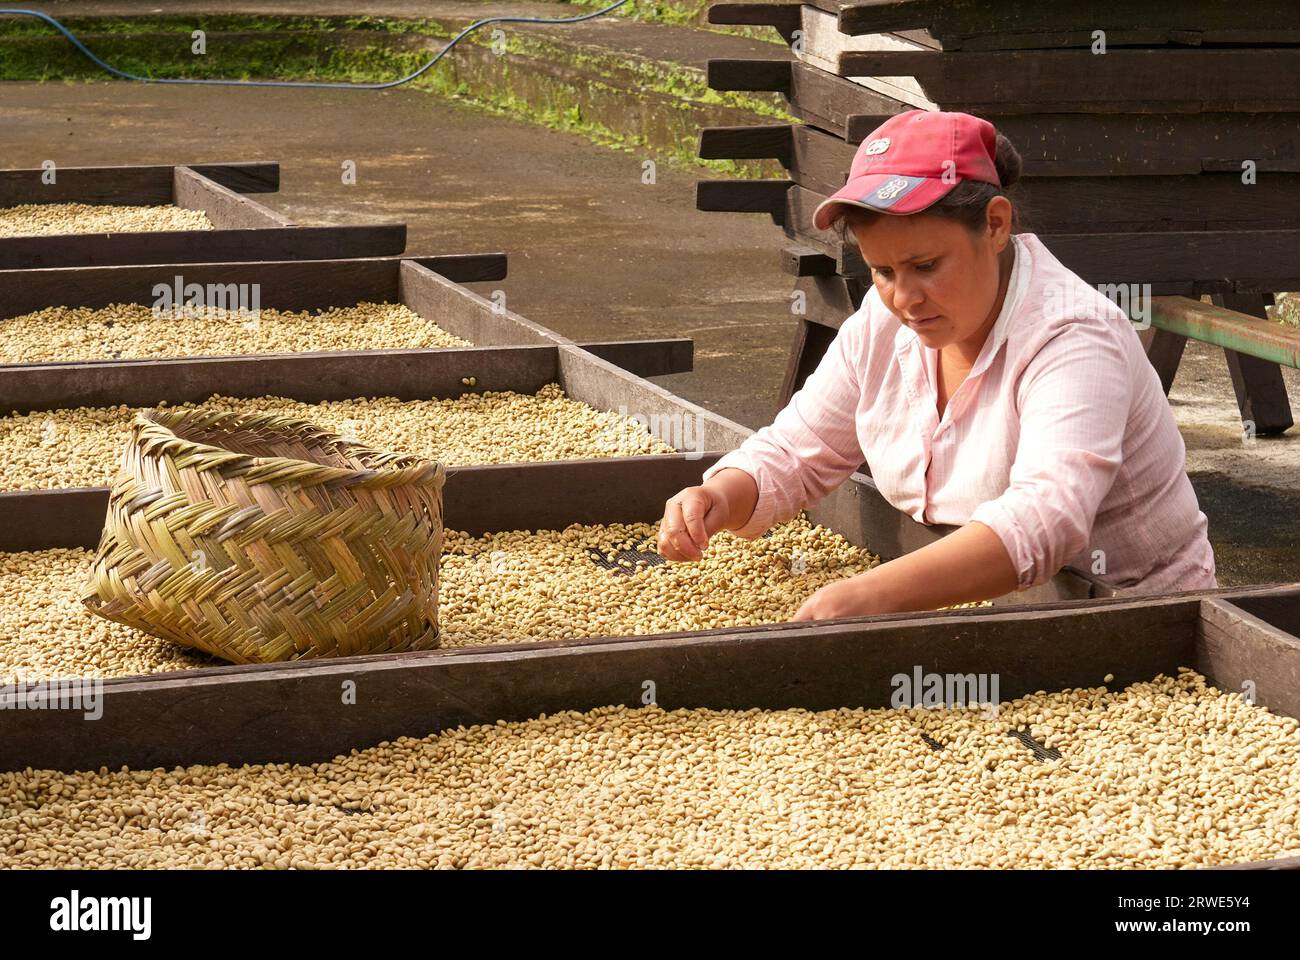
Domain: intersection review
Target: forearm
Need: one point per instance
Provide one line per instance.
(740, 492)
(810, 447)
(967, 565)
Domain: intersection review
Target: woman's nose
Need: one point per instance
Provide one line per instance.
(908, 296)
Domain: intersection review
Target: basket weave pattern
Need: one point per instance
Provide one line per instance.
(260, 538)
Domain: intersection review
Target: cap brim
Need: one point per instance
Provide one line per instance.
(882, 193)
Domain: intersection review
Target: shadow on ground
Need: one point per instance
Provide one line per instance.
(1251, 530)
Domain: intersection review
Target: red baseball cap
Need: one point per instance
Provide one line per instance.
(912, 160)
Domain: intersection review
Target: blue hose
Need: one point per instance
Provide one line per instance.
(308, 84)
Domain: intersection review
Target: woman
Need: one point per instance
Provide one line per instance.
(984, 384)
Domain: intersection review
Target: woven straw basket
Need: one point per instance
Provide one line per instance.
(260, 538)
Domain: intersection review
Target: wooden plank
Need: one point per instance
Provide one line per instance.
(803, 261)
(811, 341)
(748, 74)
(1195, 202)
(1132, 144)
(815, 96)
(1174, 262)
(1261, 394)
(1070, 583)
(293, 712)
(1280, 609)
(746, 143)
(1207, 261)
(44, 519)
(1104, 204)
(477, 499)
(283, 285)
(1121, 80)
(743, 196)
(1165, 351)
(685, 425)
(254, 177)
(646, 358)
(784, 17)
(310, 377)
(822, 43)
(827, 303)
(291, 285)
(798, 224)
(203, 246)
(68, 383)
(1247, 654)
(147, 185)
(827, 101)
(466, 314)
(818, 160)
(551, 495)
(972, 24)
(226, 209)
(462, 267)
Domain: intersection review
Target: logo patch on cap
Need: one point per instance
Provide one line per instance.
(876, 147)
(891, 191)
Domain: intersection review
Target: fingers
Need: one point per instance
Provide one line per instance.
(816, 607)
(676, 539)
(693, 511)
(668, 538)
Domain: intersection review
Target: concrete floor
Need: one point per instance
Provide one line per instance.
(594, 252)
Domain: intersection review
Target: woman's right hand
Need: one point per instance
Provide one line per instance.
(690, 519)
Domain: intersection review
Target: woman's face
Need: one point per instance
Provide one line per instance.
(936, 275)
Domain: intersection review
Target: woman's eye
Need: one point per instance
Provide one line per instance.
(927, 266)
(883, 272)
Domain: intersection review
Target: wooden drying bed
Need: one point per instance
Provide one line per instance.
(243, 228)
(429, 286)
(1239, 639)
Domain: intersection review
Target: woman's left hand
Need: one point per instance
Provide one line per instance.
(851, 597)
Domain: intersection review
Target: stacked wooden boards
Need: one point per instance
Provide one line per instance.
(1168, 164)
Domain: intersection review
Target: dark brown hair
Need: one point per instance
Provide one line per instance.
(967, 203)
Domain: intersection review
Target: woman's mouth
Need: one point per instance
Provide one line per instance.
(923, 321)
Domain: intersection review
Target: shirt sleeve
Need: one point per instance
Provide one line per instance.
(812, 445)
(1073, 400)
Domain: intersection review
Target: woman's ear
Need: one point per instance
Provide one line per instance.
(998, 214)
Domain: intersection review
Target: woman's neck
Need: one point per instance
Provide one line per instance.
(969, 349)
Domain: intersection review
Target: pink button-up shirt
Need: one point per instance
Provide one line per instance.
(1060, 439)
